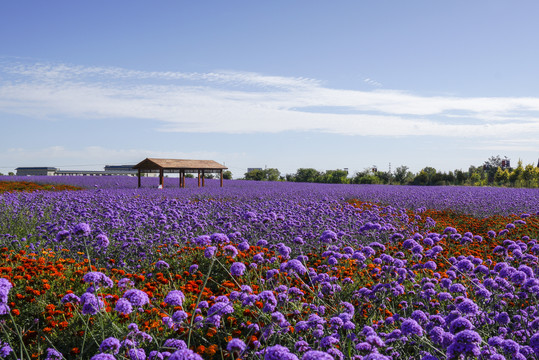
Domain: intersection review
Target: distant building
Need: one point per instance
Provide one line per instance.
(506, 164)
(252, 169)
(125, 170)
(121, 169)
(40, 171)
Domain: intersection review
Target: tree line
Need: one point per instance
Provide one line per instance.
(493, 172)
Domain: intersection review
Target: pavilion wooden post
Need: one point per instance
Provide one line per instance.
(202, 178)
(139, 171)
(198, 178)
(180, 178)
(183, 178)
(221, 177)
(161, 178)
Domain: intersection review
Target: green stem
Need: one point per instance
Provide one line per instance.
(198, 301)
(19, 335)
(85, 333)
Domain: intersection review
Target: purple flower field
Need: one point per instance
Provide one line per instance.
(477, 201)
(270, 270)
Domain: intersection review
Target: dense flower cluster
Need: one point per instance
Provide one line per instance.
(269, 273)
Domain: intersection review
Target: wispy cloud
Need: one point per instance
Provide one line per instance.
(243, 102)
(372, 82)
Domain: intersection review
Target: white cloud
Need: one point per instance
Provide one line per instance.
(372, 82)
(240, 102)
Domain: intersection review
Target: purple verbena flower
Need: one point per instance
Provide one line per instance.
(468, 307)
(124, 306)
(175, 298)
(53, 354)
(103, 356)
(237, 269)
(193, 269)
(210, 251)
(231, 251)
(185, 354)
(411, 327)
(98, 279)
(102, 241)
(82, 229)
(136, 354)
(175, 344)
(136, 297)
(278, 352)
(161, 264)
(110, 344)
(236, 345)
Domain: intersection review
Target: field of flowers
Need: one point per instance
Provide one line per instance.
(268, 271)
(8, 186)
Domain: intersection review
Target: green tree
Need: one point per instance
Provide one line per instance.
(460, 177)
(505, 177)
(448, 178)
(528, 175)
(307, 175)
(426, 176)
(499, 176)
(431, 172)
(490, 167)
(271, 174)
(256, 174)
(403, 175)
(335, 177)
(227, 175)
(421, 179)
(437, 178)
(516, 175)
(384, 176)
(475, 175)
(536, 177)
(475, 179)
(365, 177)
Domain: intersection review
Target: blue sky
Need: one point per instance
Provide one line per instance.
(284, 84)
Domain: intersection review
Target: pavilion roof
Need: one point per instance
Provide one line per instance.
(178, 164)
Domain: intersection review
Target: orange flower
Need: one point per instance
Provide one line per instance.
(211, 350)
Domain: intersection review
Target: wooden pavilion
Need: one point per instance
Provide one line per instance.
(180, 166)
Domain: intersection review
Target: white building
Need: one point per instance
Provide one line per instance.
(43, 171)
(125, 170)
